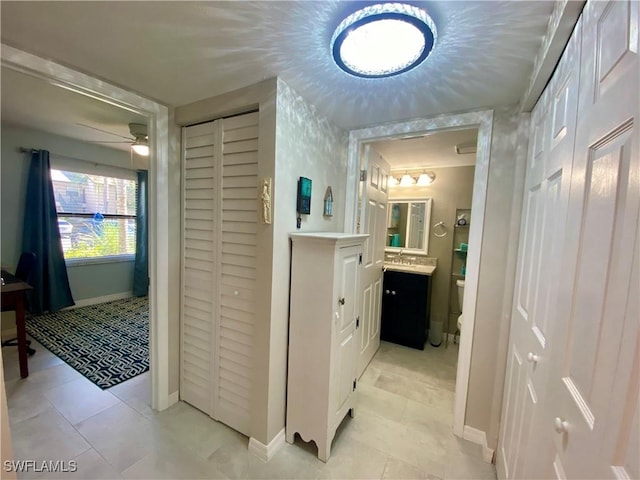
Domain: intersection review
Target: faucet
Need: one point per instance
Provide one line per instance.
(398, 258)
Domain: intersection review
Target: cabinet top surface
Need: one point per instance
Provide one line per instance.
(417, 269)
(328, 236)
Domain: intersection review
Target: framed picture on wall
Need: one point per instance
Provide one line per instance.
(304, 196)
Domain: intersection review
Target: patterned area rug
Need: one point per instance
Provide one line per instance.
(108, 343)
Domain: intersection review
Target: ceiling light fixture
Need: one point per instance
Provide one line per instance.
(141, 146)
(426, 178)
(141, 142)
(383, 40)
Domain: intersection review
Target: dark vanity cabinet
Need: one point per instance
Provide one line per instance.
(406, 299)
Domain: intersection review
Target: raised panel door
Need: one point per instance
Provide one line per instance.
(374, 214)
(596, 341)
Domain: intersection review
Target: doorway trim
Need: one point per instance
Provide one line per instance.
(72, 80)
(483, 121)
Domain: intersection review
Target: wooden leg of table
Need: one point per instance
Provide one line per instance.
(22, 336)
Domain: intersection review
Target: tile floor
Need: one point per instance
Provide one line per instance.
(402, 427)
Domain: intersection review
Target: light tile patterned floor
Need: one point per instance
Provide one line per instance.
(402, 428)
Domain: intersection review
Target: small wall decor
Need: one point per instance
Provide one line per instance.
(265, 198)
(304, 196)
(328, 202)
(303, 200)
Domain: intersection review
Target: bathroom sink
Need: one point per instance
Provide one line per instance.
(418, 269)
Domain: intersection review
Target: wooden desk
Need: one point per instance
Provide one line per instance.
(13, 296)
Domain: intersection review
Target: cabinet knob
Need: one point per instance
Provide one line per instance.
(236, 292)
(393, 292)
(387, 292)
(533, 358)
(561, 426)
(341, 301)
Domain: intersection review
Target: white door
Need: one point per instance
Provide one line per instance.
(220, 215)
(373, 220)
(594, 389)
(549, 162)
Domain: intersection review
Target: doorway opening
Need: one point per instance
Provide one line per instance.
(482, 121)
(156, 116)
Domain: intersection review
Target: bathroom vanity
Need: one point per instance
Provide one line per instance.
(406, 302)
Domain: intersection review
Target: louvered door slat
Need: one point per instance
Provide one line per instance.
(199, 152)
(238, 238)
(246, 193)
(241, 170)
(241, 121)
(244, 133)
(239, 249)
(246, 181)
(240, 158)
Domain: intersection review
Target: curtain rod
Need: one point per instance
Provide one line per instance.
(65, 157)
(31, 150)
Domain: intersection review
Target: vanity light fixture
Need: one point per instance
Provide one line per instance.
(393, 181)
(383, 40)
(407, 180)
(426, 178)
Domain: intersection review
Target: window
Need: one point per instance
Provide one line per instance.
(96, 214)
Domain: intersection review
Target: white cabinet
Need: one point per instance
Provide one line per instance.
(323, 348)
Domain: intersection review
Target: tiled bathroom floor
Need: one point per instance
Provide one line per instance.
(402, 427)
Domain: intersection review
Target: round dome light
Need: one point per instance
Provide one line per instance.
(383, 40)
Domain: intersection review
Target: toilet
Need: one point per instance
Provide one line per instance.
(460, 285)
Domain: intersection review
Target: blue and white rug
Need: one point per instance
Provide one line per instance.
(108, 343)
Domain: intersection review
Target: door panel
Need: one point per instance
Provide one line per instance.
(594, 395)
(374, 213)
(545, 204)
(219, 267)
(347, 311)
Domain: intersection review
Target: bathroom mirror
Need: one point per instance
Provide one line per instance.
(408, 226)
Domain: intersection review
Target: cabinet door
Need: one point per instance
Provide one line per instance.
(346, 312)
(411, 310)
(404, 309)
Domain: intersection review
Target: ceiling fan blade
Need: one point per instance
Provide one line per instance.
(105, 131)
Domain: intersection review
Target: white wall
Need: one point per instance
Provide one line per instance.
(307, 145)
(86, 281)
(496, 275)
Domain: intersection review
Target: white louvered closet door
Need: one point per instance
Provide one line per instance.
(220, 175)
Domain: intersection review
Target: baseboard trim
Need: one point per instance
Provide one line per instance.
(479, 437)
(105, 298)
(266, 452)
(9, 333)
(173, 398)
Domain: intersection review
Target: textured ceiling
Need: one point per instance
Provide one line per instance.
(431, 150)
(180, 52)
(33, 103)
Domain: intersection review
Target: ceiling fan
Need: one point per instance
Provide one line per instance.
(139, 143)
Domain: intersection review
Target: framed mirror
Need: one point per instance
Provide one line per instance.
(408, 225)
